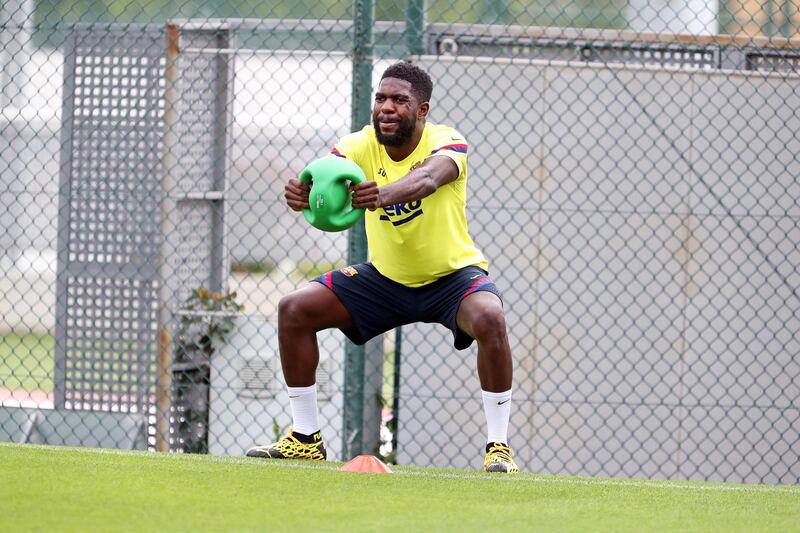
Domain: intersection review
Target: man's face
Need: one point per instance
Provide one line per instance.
(395, 112)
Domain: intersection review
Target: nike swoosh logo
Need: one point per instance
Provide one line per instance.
(456, 139)
(504, 401)
(475, 276)
(290, 396)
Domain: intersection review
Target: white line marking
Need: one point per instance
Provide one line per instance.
(477, 476)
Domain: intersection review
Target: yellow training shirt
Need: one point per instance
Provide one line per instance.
(416, 243)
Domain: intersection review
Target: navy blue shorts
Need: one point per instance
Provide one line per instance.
(377, 304)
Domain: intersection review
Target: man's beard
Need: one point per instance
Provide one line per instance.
(404, 132)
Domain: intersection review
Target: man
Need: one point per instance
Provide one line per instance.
(424, 265)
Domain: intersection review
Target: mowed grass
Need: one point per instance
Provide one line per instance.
(73, 489)
(26, 361)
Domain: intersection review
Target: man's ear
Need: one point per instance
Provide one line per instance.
(422, 110)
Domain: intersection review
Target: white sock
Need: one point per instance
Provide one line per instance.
(305, 413)
(497, 407)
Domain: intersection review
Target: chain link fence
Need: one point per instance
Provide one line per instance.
(633, 180)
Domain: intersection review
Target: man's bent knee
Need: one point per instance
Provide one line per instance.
(488, 323)
(481, 316)
(290, 308)
(313, 307)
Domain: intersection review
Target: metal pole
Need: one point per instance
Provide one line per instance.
(786, 22)
(769, 25)
(168, 205)
(415, 27)
(415, 45)
(363, 18)
(398, 343)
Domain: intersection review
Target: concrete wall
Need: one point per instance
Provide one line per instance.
(643, 228)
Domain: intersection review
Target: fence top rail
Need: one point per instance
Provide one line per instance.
(492, 30)
(312, 25)
(604, 65)
(592, 34)
(481, 31)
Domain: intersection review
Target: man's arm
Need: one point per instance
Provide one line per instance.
(417, 184)
(350, 146)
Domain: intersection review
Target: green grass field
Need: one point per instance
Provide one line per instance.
(26, 361)
(72, 489)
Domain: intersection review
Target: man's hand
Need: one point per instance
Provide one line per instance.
(296, 194)
(366, 195)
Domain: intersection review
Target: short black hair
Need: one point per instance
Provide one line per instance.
(421, 84)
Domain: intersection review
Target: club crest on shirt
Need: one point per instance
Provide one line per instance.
(349, 271)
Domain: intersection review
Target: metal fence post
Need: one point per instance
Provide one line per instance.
(786, 22)
(415, 25)
(363, 17)
(168, 205)
(769, 21)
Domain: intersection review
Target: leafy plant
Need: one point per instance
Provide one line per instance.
(252, 267)
(206, 319)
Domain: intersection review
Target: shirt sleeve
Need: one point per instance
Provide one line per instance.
(351, 146)
(452, 144)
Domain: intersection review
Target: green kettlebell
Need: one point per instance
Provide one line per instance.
(330, 207)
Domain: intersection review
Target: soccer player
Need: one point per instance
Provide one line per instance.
(424, 266)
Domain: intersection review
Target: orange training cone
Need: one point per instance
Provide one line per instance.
(366, 463)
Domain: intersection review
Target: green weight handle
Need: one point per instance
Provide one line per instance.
(330, 207)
